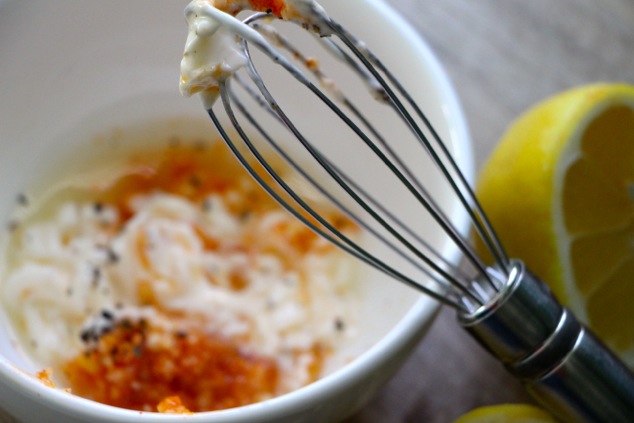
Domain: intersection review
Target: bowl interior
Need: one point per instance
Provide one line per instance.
(87, 81)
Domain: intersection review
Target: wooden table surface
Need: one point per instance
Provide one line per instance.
(502, 56)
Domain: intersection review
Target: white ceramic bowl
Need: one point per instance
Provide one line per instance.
(77, 74)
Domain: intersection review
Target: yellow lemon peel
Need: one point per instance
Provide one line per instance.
(559, 190)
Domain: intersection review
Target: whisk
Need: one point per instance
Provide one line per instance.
(507, 309)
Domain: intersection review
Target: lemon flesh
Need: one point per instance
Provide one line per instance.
(559, 190)
(507, 413)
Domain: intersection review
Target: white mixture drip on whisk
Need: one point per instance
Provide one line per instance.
(213, 52)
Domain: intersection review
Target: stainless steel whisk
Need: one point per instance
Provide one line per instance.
(507, 309)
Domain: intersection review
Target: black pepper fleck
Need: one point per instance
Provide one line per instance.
(107, 314)
(113, 257)
(339, 324)
(96, 276)
(23, 200)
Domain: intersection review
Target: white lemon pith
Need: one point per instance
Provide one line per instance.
(559, 190)
(507, 413)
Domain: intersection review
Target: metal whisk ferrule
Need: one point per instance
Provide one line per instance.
(560, 362)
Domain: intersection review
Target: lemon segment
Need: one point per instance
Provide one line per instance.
(559, 191)
(507, 413)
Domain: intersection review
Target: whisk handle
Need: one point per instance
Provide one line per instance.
(560, 362)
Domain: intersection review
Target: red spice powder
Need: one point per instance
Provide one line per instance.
(44, 376)
(191, 172)
(172, 405)
(275, 7)
(137, 367)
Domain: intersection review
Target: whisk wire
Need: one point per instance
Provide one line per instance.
(404, 174)
(460, 277)
(399, 107)
(459, 288)
(380, 86)
(276, 37)
(336, 174)
(338, 177)
(339, 238)
(471, 204)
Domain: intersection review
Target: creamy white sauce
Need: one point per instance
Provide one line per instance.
(213, 52)
(61, 276)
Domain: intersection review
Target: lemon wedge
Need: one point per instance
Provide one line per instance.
(507, 413)
(559, 190)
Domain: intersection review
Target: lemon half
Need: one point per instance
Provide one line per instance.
(507, 413)
(559, 190)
